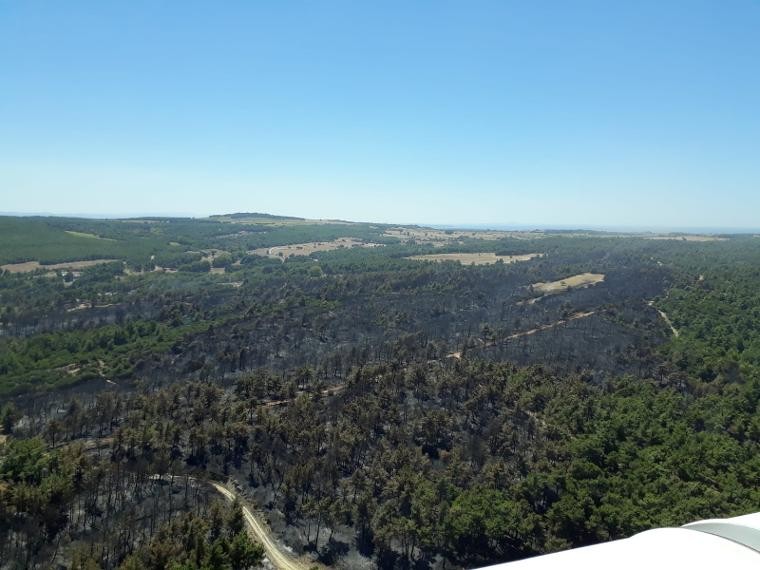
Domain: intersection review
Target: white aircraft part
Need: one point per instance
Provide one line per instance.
(705, 545)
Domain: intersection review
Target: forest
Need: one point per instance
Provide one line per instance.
(190, 399)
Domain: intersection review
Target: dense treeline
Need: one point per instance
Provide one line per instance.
(716, 307)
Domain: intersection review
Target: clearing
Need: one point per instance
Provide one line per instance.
(29, 266)
(563, 285)
(86, 235)
(475, 258)
(285, 251)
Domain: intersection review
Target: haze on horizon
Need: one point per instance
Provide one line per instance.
(495, 113)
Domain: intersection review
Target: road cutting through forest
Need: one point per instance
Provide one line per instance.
(330, 391)
(665, 318)
(574, 317)
(279, 558)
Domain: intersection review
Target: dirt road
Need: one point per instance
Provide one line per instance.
(573, 317)
(331, 391)
(280, 559)
(665, 318)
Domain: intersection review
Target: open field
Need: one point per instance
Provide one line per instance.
(562, 285)
(285, 251)
(441, 237)
(475, 258)
(29, 266)
(690, 237)
(87, 235)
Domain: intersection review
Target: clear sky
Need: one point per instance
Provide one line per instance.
(596, 113)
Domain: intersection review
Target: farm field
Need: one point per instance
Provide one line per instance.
(29, 266)
(475, 258)
(689, 237)
(439, 238)
(563, 285)
(306, 249)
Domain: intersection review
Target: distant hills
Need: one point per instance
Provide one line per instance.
(240, 216)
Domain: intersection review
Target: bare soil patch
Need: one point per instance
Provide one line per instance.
(475, 258)
(285, 251)
(29, 266)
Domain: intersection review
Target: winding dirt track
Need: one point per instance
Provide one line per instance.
(665, 318)
(280, 559)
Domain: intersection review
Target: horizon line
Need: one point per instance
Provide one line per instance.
(482, 226)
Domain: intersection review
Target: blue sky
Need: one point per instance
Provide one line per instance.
(590, 113)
